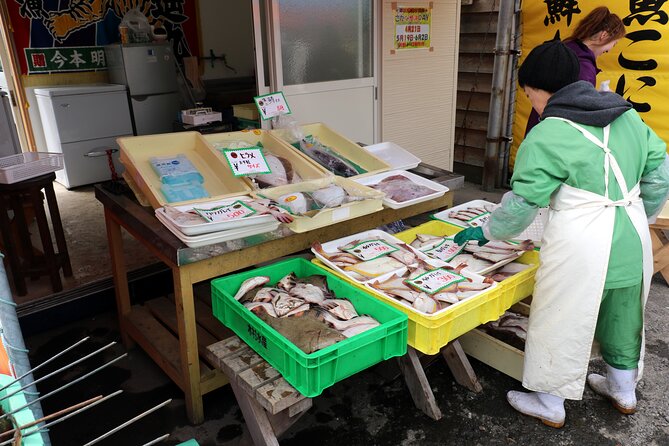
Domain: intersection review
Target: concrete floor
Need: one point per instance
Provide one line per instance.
(369, 408)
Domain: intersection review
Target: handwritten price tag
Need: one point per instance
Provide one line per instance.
(232, 211)
(445, 250)
(479, 220)
(272, 105)
(248, 161)
(436, 280)
(371, 249)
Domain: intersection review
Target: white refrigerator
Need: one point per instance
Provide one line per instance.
(149, 72)
(82, 122)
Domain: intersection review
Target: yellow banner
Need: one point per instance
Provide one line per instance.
(637, 67)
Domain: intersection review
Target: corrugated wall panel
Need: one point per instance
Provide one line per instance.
(418, 87)
(478, 27)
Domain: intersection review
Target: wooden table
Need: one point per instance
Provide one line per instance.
(661, 243)
(178, 356)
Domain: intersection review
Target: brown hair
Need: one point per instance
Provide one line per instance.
(599, 19)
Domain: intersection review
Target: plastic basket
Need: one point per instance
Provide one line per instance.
(23, 166)
(311, 373)
(514, 289)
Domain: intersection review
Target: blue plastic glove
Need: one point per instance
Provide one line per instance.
(465, 235)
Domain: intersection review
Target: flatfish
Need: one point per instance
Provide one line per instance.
(307, 332)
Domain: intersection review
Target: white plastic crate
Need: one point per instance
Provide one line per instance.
(23, 166)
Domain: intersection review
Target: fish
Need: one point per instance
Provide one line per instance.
(308, 292)
(338, 258)
(318, 280)
(341, 325)
(473, 264)
(326, 158)
(265, 206)
(395, 286)
(287, 282)
(282, 173)
(357, 329)
(249, 284)
(307, 332)
(423, 241)
(400, 188)
(375, 267)
(425, 304)
(330, 197)
(341, 308)
(261, 307)
(183, 218)
(284, 303)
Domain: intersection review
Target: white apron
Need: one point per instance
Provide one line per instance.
(570, 281)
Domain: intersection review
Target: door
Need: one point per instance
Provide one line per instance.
(320, 53)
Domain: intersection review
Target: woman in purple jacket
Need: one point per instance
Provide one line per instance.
(595, 34)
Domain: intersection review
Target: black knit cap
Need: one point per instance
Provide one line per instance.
(549, 66)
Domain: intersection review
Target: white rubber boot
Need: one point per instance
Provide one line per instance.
(618, 386)
(544, 406)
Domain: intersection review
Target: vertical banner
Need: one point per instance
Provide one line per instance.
(412, 27)
(637, 68)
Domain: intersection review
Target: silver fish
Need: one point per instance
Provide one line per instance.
(284, 303)
(425, 304)
(342, 308)
(308, 292)
(249, 284)
(334, 163)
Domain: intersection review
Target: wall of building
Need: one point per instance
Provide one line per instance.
(226, 27)
(418, 86)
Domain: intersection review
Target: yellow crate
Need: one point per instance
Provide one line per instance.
(325, 217)
(340, 144)
(515, 288)
(304, 167)
(429, 333)
(246, 111)
(136, 151)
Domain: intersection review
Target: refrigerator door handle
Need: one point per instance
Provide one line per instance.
(100, 151)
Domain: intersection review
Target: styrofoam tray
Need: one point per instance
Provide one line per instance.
(332, 247)
(397, 157)
(217, 237)
(205, 228)
(439, 189)
(443, 215)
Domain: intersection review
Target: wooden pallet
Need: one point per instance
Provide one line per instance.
(270, 405)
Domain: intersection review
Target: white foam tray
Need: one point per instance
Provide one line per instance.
(398, 157)
(443, 215)
(218, 237)
(439, 189)
(210, 227)
(534, 231)
(331, 247)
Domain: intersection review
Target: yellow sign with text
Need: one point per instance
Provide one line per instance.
(637, 68)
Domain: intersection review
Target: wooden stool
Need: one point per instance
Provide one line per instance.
(270, 405)
(13, 197)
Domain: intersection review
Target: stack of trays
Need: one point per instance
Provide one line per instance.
(199, 234)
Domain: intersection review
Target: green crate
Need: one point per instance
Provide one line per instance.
(23, 416)
(311, 373)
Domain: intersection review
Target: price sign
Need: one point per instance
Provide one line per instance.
(272, 105)
(479, 220)
(445, 250)
(371, 249)
(247, 161)
(232, 211)
(436, 280)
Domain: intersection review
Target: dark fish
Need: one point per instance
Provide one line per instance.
(335, 164)
(307, 332)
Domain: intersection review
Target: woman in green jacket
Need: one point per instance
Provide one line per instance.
(605, 174)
